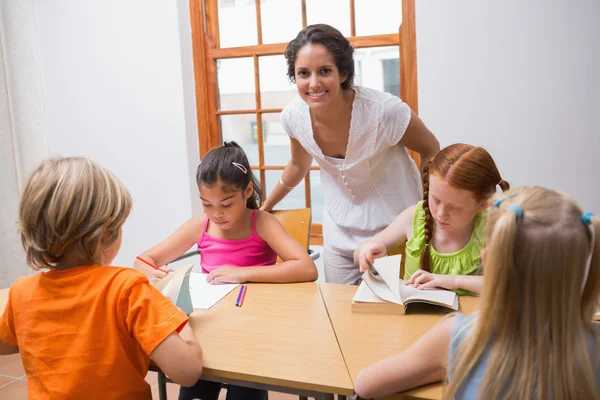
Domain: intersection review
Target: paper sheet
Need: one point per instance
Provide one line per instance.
(204, 295)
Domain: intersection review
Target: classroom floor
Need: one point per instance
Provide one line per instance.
(13, 383)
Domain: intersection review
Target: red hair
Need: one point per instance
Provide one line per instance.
(464, 167)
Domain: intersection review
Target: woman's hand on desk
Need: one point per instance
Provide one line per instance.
(226, 275)
(426, 280)
(367, 252)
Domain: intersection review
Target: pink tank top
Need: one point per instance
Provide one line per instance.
(249, 252)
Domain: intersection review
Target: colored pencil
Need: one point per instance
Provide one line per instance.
(243, 296)
(237, 302)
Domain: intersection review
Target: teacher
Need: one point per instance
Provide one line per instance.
(358, 136)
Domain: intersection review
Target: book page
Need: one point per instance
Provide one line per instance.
(204, 295)
(366, 295)
(389, 271)
(435, 296)
(380, 288)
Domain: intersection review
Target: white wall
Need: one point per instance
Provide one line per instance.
(521, 79)
(114, 87)
(22, 125)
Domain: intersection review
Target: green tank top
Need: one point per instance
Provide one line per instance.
(466, 261)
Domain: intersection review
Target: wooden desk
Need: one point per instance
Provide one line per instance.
(365, 339)
(281, 339)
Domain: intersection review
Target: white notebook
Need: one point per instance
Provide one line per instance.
(204, 295)
(382, 291)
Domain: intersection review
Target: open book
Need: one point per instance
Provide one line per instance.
(383, 292)
(176, 286)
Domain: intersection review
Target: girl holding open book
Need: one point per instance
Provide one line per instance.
(444, 233)
(237, 242)
(533, 337)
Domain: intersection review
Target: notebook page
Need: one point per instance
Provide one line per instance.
(170, 284)
(204, 295)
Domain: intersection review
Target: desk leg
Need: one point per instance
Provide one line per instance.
(162, 386)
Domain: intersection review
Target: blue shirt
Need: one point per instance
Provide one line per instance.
(470, 389)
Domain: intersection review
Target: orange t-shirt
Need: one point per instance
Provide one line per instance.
(87, 332)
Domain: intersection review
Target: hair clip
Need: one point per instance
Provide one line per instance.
(586, 218)
(517, 210)
(499, 201)
(240, 167)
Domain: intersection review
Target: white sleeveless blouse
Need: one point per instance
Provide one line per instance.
(377, 180)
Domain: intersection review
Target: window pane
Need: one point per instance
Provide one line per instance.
(295, 199)
(316, 196)
(241, 128)
(237, 23)
(378, 68)
(277, 142)
(281, 20)
(276, 90)
(332, 12)
(386, 17)
(391, 76)
(236, 84)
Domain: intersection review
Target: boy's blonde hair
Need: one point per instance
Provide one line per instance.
(70, 205)
(536, 309)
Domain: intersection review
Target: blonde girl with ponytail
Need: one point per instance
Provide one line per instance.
(444, 233)
(533, 336)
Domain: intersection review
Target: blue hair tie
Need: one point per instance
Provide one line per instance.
(499, 201)
(517, 210)
(586, 218)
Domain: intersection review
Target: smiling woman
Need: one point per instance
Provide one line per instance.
(358, 136)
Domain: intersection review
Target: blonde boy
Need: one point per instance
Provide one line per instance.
(84, 329)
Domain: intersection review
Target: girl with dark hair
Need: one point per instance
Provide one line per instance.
(237, 242)
(233, 235)
(359, 137)
(444, 233)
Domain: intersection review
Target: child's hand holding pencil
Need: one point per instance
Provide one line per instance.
(157, 273)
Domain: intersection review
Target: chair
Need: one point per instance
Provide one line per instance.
(297, 223)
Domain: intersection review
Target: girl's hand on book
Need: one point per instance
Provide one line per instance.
(226, 275)
(367, 252)
(426, 280)
(160, 273)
